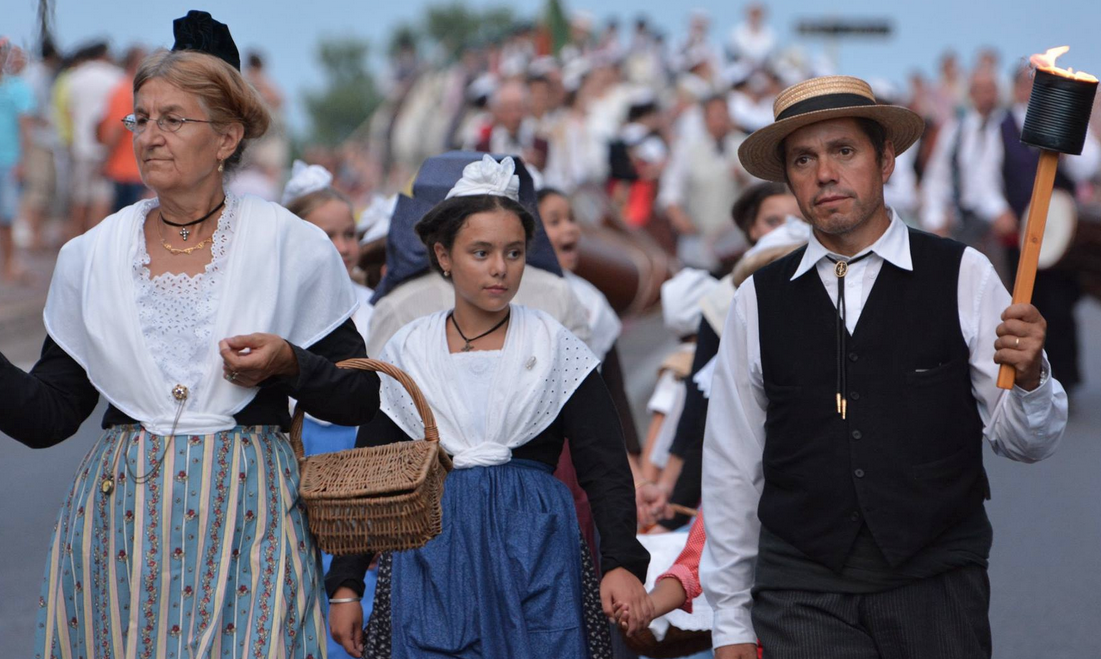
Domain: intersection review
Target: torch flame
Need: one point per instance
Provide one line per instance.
(1046, 62)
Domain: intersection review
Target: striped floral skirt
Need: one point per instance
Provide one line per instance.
(206, 556)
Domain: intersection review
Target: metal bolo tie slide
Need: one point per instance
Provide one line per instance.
(840, 269)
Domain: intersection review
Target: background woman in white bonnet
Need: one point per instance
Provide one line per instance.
(310, 195)
(509, 576)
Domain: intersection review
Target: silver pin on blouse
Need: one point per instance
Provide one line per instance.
(531, 364)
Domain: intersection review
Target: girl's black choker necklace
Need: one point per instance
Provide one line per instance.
(183, 226)
(468, 347)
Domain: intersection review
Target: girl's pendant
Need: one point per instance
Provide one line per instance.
(184, 233)
(467, 347)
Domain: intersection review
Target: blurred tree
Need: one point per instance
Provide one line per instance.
(350, 94)
(404, 36)
(455, 26)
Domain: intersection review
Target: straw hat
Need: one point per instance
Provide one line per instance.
(819, 99)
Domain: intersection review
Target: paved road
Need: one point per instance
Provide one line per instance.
(1045, 573)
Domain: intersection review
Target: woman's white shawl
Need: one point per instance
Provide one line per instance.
(282, 276)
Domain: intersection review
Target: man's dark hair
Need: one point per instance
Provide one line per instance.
(443, 222)
(870, 127)
(640, 110)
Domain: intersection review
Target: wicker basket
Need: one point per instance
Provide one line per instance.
(677, 643)
(379, 498)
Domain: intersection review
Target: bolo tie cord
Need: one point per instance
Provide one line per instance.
(841, 269)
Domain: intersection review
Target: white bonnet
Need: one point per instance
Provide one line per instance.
(487, 176)
(374, 221)
(304, 180)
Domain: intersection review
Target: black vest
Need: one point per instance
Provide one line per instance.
(908, 459)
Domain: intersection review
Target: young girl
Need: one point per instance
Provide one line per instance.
(509, 575)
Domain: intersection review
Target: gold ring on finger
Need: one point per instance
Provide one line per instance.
(1018, 344)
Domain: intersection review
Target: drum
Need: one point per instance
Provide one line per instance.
(625, 264)
(1072, 240)
(1062, 220)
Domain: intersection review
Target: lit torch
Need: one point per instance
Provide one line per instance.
(1056, 122)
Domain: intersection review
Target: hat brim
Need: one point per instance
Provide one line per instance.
(759, 155)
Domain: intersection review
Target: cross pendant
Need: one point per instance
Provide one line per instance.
(184, 233)
(467, 347)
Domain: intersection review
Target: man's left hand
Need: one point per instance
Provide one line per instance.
(1020, 343)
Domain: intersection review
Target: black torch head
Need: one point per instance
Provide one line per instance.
(1058, 112)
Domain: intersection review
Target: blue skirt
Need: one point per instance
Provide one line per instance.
(206, 555)
(506, 577)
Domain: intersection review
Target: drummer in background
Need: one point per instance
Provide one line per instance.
(960, 195)
(1057, 291)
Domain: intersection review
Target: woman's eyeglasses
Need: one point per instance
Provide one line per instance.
(168, 123)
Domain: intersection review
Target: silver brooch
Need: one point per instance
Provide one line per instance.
(531, 364)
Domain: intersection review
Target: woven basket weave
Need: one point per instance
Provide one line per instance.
(379, 498)
(677, 643)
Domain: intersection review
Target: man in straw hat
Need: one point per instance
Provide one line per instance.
(843, 476)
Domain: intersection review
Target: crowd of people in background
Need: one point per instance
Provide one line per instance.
(649, 125)
(653, 122)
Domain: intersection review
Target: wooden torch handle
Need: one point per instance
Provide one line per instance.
(1030, 249)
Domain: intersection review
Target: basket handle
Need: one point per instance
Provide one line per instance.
(431, 433)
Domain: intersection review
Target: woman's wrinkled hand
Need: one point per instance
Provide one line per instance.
(250, 359)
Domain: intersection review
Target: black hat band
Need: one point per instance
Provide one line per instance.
(824, 102)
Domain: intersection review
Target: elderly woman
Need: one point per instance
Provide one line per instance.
(195, 315)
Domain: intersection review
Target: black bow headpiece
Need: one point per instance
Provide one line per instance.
(199, 31)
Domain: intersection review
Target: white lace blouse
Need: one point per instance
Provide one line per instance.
(176, 312)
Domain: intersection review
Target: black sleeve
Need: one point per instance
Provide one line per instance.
(690, 427)
(688, 440)
(347, 571)
(590, 422)
(687, 491)
(46, 406)
(346, 397)
(380, 431)
(612, 372)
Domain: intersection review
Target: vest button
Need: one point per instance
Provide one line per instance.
(859, 473)
(852, 357)
(857, 434)
(854, 395)
(855, 516)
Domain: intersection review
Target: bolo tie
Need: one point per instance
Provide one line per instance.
(840, 269)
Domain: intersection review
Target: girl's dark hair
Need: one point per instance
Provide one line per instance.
(543, 193)
(746, 207)
(443, 222)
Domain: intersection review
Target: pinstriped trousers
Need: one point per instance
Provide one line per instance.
(945, 616)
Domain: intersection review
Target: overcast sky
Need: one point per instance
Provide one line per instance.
(288, 31)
